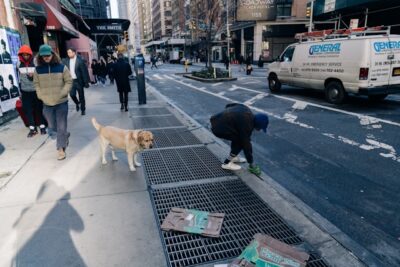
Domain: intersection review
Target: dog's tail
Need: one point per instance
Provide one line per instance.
(96, 124)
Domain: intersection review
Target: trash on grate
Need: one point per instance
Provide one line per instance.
(194, 221)
(265, 250)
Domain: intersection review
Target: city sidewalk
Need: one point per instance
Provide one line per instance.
(77, 212)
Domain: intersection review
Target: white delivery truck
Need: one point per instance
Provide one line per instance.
(364, 61)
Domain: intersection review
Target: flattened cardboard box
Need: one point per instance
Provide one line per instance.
(194, 221)
(266, 251)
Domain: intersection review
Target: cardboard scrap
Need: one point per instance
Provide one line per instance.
(266, 251)
(194, 221)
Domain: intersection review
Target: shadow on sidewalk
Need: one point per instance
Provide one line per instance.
(51, 244)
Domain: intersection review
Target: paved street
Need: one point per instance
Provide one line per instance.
(342, 161)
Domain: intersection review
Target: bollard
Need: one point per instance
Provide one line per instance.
(141, 84)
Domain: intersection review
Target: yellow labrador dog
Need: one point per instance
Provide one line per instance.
(132, 141)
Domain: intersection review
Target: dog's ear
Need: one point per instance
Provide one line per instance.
(140, 137)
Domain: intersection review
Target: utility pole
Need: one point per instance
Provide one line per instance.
(310, 26)
(228, 37)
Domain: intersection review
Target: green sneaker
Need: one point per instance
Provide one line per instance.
(255, 169)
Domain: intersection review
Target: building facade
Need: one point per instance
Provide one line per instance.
(365, 12)
(93, 9)
(162, 19)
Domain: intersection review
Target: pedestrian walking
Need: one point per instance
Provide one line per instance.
(122, 71)
(226, 62)
(31, 105)
(249, 61)
(102, 67)
(110, 69)
(260, 61)
(80, 79)
(53, 82)
(241, 60)
(236, 124)
(154, 60)
(95, 70)
(4, 92)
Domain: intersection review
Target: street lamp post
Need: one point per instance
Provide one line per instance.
(310, 27)
(228, 36)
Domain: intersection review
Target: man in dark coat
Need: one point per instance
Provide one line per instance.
(236, 123)
(122, 71)
(80, 75)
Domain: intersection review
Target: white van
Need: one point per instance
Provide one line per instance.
(359, 63)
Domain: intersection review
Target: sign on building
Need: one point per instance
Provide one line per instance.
(329, 6)
(256, 10)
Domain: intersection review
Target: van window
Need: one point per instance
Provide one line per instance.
(288, 55)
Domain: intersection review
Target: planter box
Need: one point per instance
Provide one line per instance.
(217, 80)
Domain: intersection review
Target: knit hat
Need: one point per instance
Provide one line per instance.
(261, 122)
(45, 50)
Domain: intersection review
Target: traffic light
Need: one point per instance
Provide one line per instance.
(308, 10)
(126, 35)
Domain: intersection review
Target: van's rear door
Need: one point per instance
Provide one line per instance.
(394, 78)
(379, 72)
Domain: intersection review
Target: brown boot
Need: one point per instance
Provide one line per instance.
(61, 154)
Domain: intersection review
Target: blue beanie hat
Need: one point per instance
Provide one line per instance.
(261, 122)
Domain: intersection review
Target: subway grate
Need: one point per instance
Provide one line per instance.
(174, 138)
(181, 164)
(149, 111)
(246, 215)
(156, 122)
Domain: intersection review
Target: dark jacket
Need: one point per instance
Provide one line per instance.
(122, 71)
(81, 71)
(95, 68)
(102, 69)
(235, 123)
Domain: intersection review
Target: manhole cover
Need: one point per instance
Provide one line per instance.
(149, 111)
(174, 137)
(246, 215)
(156, 122)
(181, 164)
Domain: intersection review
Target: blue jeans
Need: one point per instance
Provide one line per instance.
(56, 117)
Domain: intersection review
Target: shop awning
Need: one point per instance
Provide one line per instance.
(56, 21)
(32, 12)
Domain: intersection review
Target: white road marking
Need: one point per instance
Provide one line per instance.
(251, 82)
(216, 84)
(221, 93)
(300, 105)
(157, 76)
(371, 145)
(292, 119)
(252, 100)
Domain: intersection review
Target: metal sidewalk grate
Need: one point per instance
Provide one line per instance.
(316, 261)
(181, 164)
(149, 111)
(156, 122)
(246, 215)
(174, 137)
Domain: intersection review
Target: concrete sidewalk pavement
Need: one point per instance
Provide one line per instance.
(74, 212)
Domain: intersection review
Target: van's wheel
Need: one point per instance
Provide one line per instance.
(377, 98)
(335, 93)
(274, 84)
